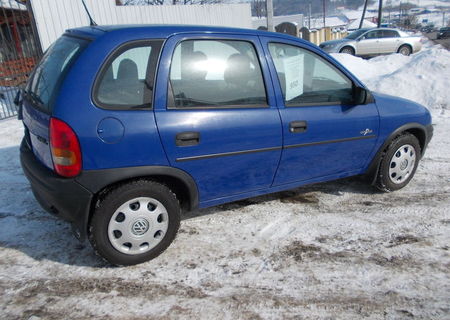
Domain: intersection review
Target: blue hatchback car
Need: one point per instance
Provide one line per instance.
(127, 126)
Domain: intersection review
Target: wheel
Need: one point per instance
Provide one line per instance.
(399, 163)
(348, 50)
(135, 222)
(405, 50)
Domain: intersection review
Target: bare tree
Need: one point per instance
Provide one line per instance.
(259, 8)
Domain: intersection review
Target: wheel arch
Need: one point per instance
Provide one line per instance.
(99, 182)
(416, 129)
(407, 45)
(348, 45)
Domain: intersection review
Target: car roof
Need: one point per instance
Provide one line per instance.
(168, 30)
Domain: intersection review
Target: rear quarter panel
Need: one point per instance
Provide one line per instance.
(140, 144)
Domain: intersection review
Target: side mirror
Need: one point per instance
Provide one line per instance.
(360, 95)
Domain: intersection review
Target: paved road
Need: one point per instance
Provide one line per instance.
(444, 42)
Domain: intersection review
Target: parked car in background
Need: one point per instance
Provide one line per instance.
(373, 42)
(443, 33)
(126, 126)
(427, 29)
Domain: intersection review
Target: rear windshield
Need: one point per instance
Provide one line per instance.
(46, 79)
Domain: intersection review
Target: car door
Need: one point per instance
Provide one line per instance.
(389, 42)
(324, 135)
(369, 43)
(216, 113)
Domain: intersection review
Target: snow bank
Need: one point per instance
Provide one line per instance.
(422, 77)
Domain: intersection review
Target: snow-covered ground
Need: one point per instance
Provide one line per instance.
(338, 250)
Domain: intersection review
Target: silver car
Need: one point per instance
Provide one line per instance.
(373, 42)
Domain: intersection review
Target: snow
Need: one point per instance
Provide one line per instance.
(337, 250)
(419, 3)
(355, 24)
(12, 4)
(409, 77)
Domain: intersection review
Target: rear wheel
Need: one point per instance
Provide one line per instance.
(405, 50)
(399, 163)
(135, 222)
(348, 50)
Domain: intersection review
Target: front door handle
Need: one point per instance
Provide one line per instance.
(185, 139)
(298, 126)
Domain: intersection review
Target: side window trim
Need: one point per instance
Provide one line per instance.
(170, 105)
(152, 66)
(328, 63)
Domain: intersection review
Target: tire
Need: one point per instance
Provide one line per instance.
(348, 50)
(135, 222)
(399, 163)
(405, 50)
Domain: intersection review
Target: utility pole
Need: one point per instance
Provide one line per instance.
(380, 9)
(269, 10)
(324, 13)
(309, 23)
(363, 14)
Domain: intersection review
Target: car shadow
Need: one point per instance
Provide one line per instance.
(26, 227)
(300, 195)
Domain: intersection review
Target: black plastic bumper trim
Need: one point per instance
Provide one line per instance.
(63, 197)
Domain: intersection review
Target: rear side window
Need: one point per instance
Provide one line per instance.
(50, 72)
(307, 79)
(126, 79)
(216, 73)
(390, 34)
(373, 34)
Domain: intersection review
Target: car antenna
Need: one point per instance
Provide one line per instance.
(91, 21)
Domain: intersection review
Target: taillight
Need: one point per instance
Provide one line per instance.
(65, 149)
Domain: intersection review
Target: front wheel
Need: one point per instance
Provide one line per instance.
(348, 50)
(135, 222)
(399, 163)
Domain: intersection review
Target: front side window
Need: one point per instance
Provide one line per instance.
(215, 73)
(126, 80)
(305, 78)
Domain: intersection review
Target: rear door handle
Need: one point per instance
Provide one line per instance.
(185, 139)
(298, 126)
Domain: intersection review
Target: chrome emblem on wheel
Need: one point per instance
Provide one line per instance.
(140, 227)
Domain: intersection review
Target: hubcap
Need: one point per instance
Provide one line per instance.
(138, 225)
(349, 51)
(402, 163)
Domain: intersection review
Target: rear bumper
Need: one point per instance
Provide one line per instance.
(62, 197)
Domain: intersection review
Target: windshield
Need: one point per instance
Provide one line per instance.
(44, 83)
(356, 34)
